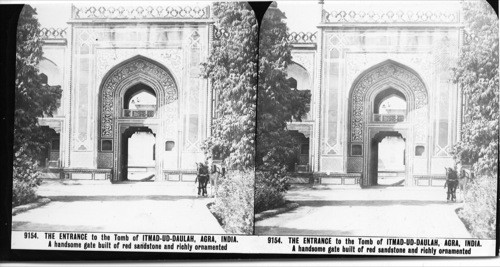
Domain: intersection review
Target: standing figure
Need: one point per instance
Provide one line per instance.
(214, 177)
(202, 178)
(463, 180)
(451, 183)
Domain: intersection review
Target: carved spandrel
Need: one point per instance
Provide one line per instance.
(107, 58)
(396, 74)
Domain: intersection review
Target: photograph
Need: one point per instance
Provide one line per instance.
(256, 129)
(378, 118)
(122, 117)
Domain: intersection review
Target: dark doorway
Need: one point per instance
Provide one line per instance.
(387, 159)
(50, 157)
(302, 143)
(137, 159)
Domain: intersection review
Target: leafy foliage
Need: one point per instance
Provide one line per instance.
(33, 100)
(234, 202)
(477, 74)
(25, 179)
(278, 103)
(479, 212)
(269, 191)
(232, 71)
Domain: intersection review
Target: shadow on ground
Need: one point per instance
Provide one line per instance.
(118, 198)
(365, 203)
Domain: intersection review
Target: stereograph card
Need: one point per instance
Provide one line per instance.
(250, 130)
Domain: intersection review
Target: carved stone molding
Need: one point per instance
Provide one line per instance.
(356, 63)
(398, 16)
(136, 68)
(140, 12)
(301, 37)
(397, 74)
(107, 58)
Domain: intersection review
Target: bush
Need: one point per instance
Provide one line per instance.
(270, 190)
(234, 202)
(25, 179)
(267, 197)
(479, 211)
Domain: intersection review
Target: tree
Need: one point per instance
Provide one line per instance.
(33, 100)
(277, 104)
(232, 71)
(477, 75)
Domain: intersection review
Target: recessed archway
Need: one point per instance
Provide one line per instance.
(369, 95)
(118, 108)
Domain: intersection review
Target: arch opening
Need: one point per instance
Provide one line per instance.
(389, 106)
(387, 97)
(50, 155)
(300, 75)
(130, 94)
(300, 82)
(139, 101)
(302, 143)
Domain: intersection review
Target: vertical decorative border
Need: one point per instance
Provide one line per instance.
(318, 81)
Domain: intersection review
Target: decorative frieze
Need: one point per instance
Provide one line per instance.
(53, 33)
(301, 37)
(400, 16)
(149, 12)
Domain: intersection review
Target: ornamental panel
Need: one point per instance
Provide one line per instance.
(108, 58)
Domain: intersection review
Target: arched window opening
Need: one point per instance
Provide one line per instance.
(292, 83)
(300, 81)
(44, 78)
(389, 106)
(300, 75)
(139, 101)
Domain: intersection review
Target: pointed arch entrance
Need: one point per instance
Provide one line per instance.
(116, 118)
(368, 126)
